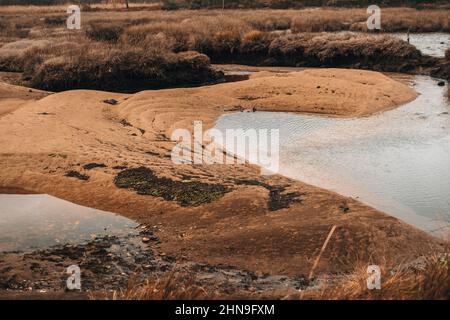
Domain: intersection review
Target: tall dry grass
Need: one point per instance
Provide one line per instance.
(104, 31)
(392, 20)
(61, 8)
(122, 69)
(236, 42)
(302, 20)
(428, 279)
(220, 38)
(259, 37)
(53, 58)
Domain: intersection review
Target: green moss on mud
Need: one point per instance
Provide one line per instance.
(191, 193)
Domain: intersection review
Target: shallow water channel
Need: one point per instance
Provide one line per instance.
(397, 161)
(433, 44)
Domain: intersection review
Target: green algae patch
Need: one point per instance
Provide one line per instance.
(76, 174)
(185, 193)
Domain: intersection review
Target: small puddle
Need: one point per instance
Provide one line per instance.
(396, 161)
(38, 221)
(41, 235)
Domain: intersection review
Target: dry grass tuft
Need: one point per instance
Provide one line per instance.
(111, 6)
(344, 50)
(14, 55)
(427, 278)
(174, 286)
(256, 37)
(104, 31)
(318, 23)
(122, 69)
(233, 41)
(393, 20)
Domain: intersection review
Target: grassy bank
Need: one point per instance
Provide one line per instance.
(119, 69)
(301, 20)
(238, 43)
(153, 49)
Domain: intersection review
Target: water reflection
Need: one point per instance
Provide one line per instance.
(39, 221)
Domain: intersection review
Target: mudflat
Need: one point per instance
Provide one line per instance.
(268, 224)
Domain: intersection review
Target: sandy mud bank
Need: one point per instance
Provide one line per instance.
(268, 224)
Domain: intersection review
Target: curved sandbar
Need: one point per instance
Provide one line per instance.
(41, 142)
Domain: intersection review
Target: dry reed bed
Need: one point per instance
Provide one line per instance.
(304, 20)
(160, 60)
(55, 58)
(307, 20)
(115, 68)
(232, 41)
(58, 8)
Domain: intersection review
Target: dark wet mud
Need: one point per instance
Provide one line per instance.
(112, 263)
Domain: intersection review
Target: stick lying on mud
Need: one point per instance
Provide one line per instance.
(321, 252)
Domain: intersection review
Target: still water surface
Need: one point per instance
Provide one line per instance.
(397, 161)
(433, 44)
(39, 221)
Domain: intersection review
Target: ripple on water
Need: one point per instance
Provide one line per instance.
(396, 161)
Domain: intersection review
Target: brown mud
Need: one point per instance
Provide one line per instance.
(264, 225)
